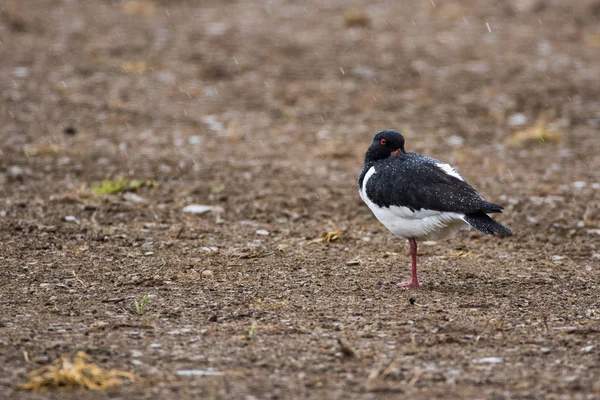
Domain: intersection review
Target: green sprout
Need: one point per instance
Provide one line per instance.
(119, 185)
(139, 307)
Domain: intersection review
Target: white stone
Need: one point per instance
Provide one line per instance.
(70, 218)
(201, 209)
(488, 360)
(589, 348)
(517, 119)
(198, 372)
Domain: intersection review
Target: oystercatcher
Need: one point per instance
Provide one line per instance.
(418, 197)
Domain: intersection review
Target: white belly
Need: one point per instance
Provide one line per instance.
(404, 223)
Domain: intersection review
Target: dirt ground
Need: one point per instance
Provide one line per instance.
(265, 109)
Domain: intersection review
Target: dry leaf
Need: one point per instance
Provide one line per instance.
(138, 7)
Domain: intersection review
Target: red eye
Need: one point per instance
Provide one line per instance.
(383, 142)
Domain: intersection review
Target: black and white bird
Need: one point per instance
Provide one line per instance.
(418, 197)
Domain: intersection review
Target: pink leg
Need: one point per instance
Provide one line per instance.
(413, 253)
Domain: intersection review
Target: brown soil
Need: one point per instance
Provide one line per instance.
(265, 109)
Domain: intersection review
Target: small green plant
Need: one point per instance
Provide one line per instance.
(251, 332)
(111, 187)
(139, 307)
(119, 185)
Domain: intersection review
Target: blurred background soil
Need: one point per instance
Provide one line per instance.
(115, 115)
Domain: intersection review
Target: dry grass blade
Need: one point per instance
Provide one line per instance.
(43, 149)
(462, 253)
(79, 373)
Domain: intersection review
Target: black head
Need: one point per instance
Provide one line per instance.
(385, 144)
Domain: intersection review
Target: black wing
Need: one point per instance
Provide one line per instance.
(416, 182)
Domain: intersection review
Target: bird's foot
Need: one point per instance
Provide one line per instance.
(409, 284)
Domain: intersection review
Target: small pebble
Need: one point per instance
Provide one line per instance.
(21, 72)
(517, 119)
(134, 198)
(70, 131)
(15, 170)
(262, 232)
(70, 218)
(587, 349)
(455, 140)
(412, 300)
(198, 372)
(351, 263)
(207, 273)
(489, 360)
(136, 354)
(201, 209)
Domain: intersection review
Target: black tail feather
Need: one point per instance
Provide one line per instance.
(492, 208)
(482, 222)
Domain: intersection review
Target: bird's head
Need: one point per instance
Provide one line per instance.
(385, 144)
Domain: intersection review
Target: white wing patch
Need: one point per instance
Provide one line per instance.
(447, 168)
(363, 189)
